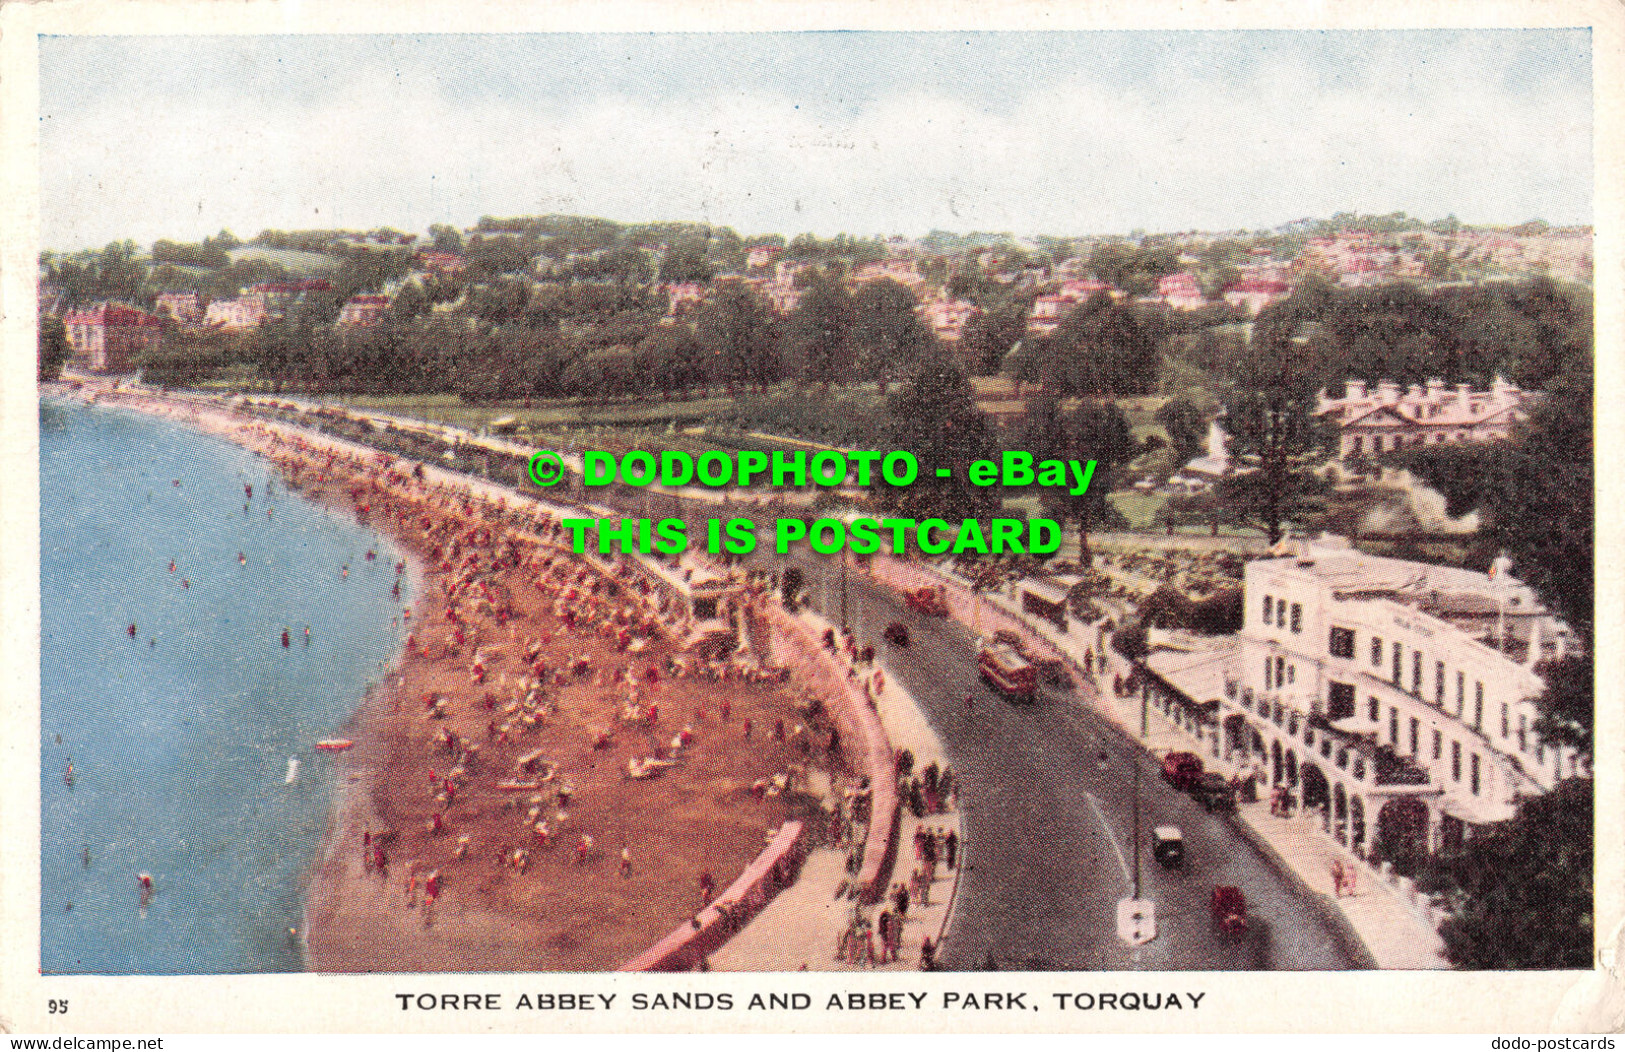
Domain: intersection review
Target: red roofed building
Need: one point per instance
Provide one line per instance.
(107, 337)
(1254, 294)
(1181, 291)
(364, 310)
(442, 262)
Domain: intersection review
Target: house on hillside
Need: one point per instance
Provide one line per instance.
(1387, 418)
(1254, 294)
(184, 307)
(1181, 291)
(108, 337)
(247, 311)
(363, 310)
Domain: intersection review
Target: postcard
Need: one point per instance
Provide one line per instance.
(800, 518)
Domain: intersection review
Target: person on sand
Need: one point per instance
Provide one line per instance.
(626, 863)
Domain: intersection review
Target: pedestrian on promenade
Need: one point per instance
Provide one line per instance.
(900, 900)
(950, 848)
(884, 924)
(928, 955)
(626, 863)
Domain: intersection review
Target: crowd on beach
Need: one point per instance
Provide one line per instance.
(509, 622)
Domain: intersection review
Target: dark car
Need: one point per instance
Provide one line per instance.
(896, 634)
(1214, 792)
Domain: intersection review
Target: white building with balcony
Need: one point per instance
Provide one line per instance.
(1394, 698)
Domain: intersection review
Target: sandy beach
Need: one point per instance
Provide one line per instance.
(539, 723)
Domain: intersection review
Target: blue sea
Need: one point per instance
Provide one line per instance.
(180, 738)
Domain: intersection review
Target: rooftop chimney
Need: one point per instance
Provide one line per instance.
(1388, 392)
(1354, 389)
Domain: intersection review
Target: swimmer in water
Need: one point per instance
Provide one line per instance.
(172, 566)
(131, 630)
(242, 560)
(186, 583)
(346, 573)
(284, 638)
(307, 635)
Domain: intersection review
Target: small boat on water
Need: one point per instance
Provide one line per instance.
(334, 744)
(293, 770)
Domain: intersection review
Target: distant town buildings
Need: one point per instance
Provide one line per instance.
(363, 311)
(1181, 292)
(108, 337)
(183, 307)
(1389, 417)
(1254, 294)
(247, 311)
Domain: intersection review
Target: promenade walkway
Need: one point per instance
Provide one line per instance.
(801, 928)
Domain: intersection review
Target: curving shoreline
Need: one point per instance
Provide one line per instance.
(358, 922)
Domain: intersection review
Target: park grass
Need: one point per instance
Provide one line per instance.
(1140, 509)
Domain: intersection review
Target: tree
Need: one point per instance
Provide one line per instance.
(1276, 440)
(736, 330)
(816, 333)
(1101, 349)
(1095, 431)
(1523, 892)
(885, 334)
(53, 349)
(933, 415)
(446, 238)
(990, 335)
(1186, 426)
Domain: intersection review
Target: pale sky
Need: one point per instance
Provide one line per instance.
(866, 133)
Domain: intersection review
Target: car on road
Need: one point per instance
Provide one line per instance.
(1214, 792)
(1168, 847)
(1006, 671)
(932, 602)
(1182, 770)
(1228, 906)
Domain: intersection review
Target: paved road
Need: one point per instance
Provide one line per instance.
(1048, 825)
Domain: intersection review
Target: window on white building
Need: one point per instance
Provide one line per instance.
(1280, 614)
(1475, 773)
(1399, 663)
(1376, 652)
(1461, 691)
(1455, 761)
(1373, 709)
(1478, 707)
(1416, 731)
(1523, 733)
(1280, 672)
(1506, 719)
(1341, 644)
(1438, 683)
(1297, 617)
(1339, 701)
(1269, 609)
(1292, 673)
(1438, 745)
(1393, 726)
(1269, 679)
(1416, 673)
